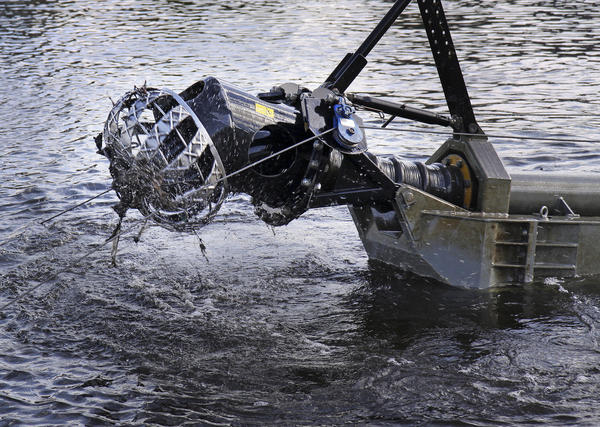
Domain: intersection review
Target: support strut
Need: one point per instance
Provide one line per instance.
(353, 63)
(446, 61)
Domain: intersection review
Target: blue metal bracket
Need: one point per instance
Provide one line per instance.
(348, 133)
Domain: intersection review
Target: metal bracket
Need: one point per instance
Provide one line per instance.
(562, 207)
(348, 133)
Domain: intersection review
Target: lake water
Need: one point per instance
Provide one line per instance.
(288, 326)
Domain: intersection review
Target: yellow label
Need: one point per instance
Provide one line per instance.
(265, 111)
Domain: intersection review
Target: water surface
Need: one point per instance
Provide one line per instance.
(291, 326)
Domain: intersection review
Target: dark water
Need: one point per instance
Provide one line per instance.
(295, 326)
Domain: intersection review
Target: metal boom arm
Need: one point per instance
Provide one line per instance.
(353, 63)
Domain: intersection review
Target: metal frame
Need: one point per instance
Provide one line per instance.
(487, 245)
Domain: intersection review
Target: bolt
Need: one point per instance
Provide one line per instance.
(459, 164)
(409, 197)
(305, 182)
(331, 99)
(318, 145)
(314, 164)
(318, 186)
(351, 131)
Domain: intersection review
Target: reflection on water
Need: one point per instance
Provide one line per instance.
(291, 326)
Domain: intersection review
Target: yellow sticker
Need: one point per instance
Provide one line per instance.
(265, 111)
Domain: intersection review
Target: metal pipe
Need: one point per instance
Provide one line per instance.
(560, 194)
(400, 110)
(529, 192)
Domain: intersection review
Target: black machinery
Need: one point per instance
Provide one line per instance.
(459, 217)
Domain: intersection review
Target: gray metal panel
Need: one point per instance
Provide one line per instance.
(433, 238)
(588, 255)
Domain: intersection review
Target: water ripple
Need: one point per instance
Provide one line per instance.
(293, 325)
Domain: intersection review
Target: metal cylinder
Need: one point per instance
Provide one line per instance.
(443, 181)
(529, 192)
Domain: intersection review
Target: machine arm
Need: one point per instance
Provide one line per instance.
(401, 110)
(353, 63)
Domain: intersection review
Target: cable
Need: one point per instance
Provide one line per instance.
(524, 115)
(76, 206)
(489, 113)
(270, 156)
(527, 138)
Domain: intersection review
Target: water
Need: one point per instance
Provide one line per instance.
(292, 326)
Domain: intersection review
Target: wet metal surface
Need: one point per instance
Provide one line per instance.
(295, 326)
